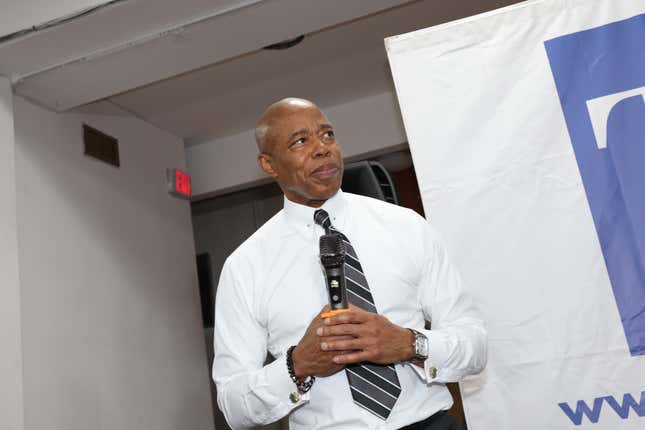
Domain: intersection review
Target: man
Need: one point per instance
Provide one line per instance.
(374, 367)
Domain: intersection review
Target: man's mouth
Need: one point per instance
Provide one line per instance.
(325, 171)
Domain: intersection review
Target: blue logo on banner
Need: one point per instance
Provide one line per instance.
(600, 77)
(620, 408)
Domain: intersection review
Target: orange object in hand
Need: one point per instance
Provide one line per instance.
(333, 312)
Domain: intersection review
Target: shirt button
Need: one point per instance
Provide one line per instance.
(432, 372)
(294, 397)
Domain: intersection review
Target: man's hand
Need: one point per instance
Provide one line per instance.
(308, 358)
(370, 337)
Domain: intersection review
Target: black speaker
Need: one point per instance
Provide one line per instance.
(369, 178)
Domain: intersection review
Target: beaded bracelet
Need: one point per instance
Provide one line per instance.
(303, 386)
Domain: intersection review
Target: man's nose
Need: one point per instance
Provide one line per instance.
(321, 149)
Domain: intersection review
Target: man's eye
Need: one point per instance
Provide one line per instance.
(329, 133)
(298, 141)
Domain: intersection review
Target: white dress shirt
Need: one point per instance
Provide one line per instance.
(272, 286)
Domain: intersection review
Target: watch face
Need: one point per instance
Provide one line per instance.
(421, 346)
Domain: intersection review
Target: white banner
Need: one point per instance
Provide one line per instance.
(527, 130)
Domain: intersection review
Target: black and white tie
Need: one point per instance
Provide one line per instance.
(373, 386)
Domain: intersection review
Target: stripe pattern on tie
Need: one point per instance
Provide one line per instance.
(373, 387)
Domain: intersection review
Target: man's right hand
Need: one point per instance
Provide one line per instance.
(308, 358)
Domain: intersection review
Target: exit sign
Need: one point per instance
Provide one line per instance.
(179, 183)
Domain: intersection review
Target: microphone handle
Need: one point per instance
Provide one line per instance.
(337, 290)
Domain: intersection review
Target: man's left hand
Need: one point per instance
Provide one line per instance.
(376, 339)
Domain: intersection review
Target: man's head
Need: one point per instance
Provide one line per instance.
(299, 150)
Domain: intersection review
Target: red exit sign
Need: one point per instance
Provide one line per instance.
(179, 183)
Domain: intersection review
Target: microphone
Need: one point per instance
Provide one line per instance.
(332, 258)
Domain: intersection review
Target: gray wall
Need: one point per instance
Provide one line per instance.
(221, 224)
(11, 358)
(111, 330)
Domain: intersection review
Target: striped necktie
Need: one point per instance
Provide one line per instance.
(374, 387)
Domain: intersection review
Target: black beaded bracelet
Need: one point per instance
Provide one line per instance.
(303, 386)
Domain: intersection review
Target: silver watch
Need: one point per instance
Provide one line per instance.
(420, 345)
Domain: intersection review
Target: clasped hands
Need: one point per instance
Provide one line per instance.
(354, 336)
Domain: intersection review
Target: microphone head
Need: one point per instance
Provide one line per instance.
(331, 243)
(332, 249)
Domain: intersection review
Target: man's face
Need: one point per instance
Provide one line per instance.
(302, 155)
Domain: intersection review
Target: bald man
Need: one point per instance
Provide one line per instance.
(374, 367)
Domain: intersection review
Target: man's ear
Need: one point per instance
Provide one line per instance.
(266, 163)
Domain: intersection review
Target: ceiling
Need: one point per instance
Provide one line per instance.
(197, 70)
(20, 14)
(130, 43)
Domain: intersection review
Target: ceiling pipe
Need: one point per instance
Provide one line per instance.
(175, 29)
(20, 34)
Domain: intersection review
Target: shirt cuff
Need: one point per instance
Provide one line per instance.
(280, 383)
(438, 353)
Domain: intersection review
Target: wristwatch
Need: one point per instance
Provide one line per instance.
(420, 345)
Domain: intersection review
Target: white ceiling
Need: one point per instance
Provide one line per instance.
(137, 42)
(20, 14)
(211, 79)
(331, 66)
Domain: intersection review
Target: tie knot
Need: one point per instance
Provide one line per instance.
(321, 217)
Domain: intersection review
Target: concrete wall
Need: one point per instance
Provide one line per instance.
(111, 323)
(11, 406)
(368, 125)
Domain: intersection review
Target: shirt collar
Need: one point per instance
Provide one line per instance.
(302, 217)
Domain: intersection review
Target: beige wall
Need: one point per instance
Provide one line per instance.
(11, 358)
(111, 323)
